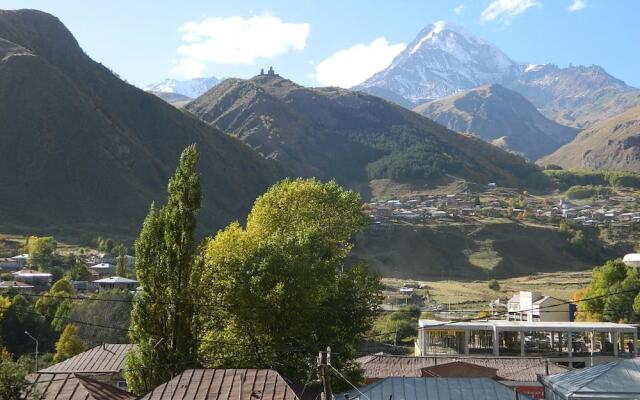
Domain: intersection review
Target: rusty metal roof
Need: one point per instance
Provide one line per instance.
(99, 359)
(224, 384)
(73, 387)
(519, 369)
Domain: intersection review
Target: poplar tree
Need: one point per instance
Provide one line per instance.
(162, 315)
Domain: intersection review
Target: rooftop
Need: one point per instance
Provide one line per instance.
(115, 279)
(32, 273)
(515, 326)
(100, 359)
(241, 384)
(74, 387)
(618, 379)
(411, 388)
(520, 369)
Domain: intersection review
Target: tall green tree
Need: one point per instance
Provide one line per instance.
(612, 294)
(107, 308)
(121, 261)
(283, 291)
(13, 377)
(69, 344)
(162, 315)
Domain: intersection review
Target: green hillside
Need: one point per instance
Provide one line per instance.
(85, 151)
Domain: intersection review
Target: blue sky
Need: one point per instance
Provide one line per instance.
(147, 41)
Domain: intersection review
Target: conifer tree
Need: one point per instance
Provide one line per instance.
(162, 315)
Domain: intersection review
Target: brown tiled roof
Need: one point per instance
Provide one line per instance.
(99, 359)
(459, 369)
(242, 384)
(519, 369)
(73, 387)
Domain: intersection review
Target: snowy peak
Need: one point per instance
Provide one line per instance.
(443, 59)
(191, 88)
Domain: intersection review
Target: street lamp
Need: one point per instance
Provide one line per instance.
(35, 340)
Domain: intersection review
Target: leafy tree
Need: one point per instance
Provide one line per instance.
(493, 284)
(121, 261)
(69, 344)
(162, 316)
(48, 304)
(612, 293)
(108, 308)
(281, 284)
(41, 251)
(13, 377)
(104, 245)
(77, 270)
(17, 319)
(398, 325)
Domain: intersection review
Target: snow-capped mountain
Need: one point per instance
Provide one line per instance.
(191, 88)
(442, 60)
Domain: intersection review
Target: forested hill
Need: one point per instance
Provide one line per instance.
(351, 136)
(83, 150)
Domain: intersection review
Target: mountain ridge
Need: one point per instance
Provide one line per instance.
(501, 117)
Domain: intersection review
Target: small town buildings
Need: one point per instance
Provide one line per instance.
(116, 282)
(533, 306)
(569, 341)
(412, 388)
(618, 379)
(9, 265)
(103, 269)
(518, 373)
(232, 384)
(30, 276)
(19, 287)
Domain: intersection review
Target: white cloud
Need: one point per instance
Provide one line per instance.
(578, 5)
(348, 67)
(506, 10)
(236, 40)
(459, 9)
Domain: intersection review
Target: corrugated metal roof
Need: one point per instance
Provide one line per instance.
(519, 369)
(74, 387)
(616, 377)
(236, 384)
(100, 359)
(502, 325)
(410, 388)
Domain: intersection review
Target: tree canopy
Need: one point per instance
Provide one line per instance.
(69, 344)
(41, 251)
(162, 315)
(280, 283)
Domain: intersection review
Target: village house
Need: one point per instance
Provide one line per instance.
(103, 269)
(9, 265)
(232, 384)
(518, 373)
(533, 306)
(116, 282)
(19, 287)
(21, 259)
(104, 363)
(30, 276)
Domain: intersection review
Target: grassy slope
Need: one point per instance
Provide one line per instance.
(466, 252)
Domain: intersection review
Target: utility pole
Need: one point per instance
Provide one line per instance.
(324, 364)
(35, 340)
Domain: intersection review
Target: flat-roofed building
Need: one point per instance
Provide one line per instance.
(522, 338)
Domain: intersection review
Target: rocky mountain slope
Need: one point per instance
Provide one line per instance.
(442, 60)
(502, 117)
(351, 136)
(610, 144)
(575, 96)
(84, 151)
(175, 99)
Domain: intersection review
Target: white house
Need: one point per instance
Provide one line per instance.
(533, 306)
(103, 269)
(632, 260)
(33, 277)
(21, 259)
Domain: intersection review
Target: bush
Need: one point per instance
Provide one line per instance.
(564, 179)
(585, 192)
(494, 285)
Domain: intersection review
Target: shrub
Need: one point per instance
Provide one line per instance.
(494, 285)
